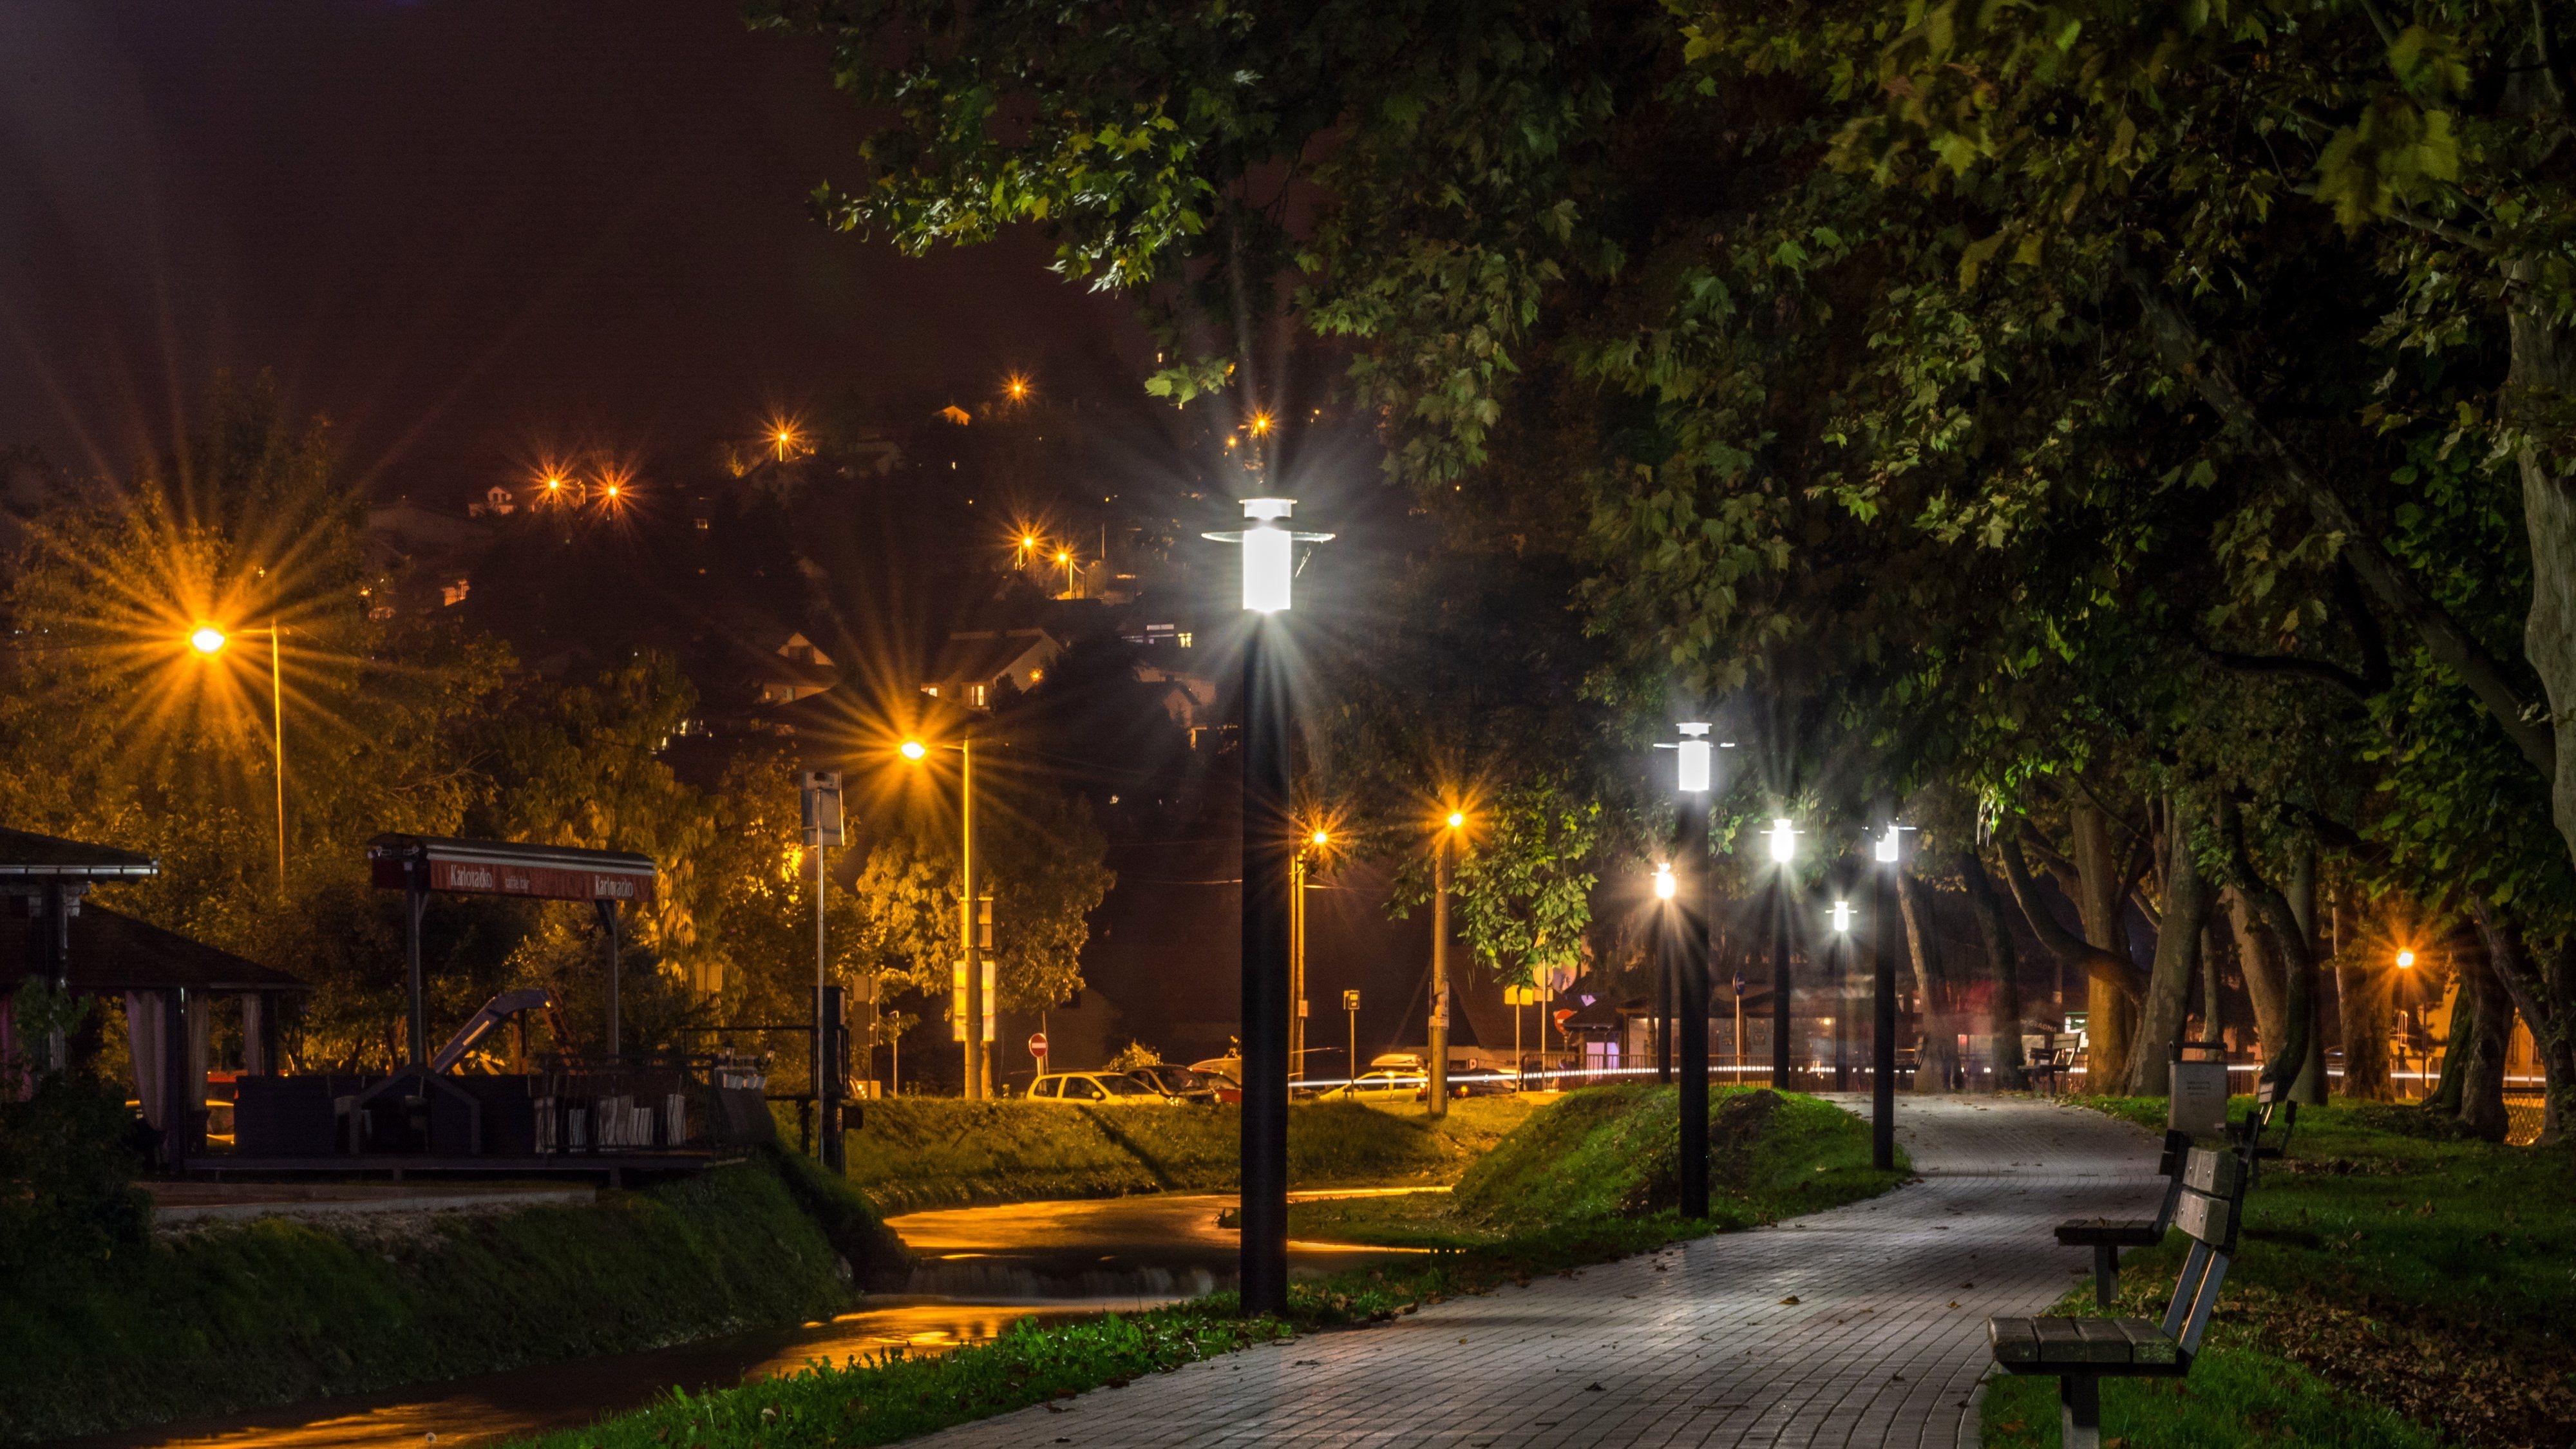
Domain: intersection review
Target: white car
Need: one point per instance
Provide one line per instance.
(1382, 1084)
(1096, 1089)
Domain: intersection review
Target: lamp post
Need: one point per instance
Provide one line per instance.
(1297, 888)
(973, 1013)
(1665, 889)
(1436, 1083)
(1269, 568)
(1784, 851)
(1689, 921)
(209, 640)
(819, 795)
(1882, 1046)
(1842, 996)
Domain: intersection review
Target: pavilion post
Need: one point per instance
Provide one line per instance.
(416, 906)
(616, 1015)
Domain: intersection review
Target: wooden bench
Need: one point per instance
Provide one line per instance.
(2107, 1236)
(2080, 1352)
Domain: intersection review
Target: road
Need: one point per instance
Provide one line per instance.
(1860, 1326)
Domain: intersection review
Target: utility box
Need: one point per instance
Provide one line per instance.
(2196, 1098)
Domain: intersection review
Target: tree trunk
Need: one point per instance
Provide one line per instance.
(1937, 1059)
(2539, 384)
(2213, 1016)
(2542, 989)
(2261, 965)
(2481, 1030)
(2109, 1024)
(2285, 1059)
(2310, 1088)
(2003, 968)
(2103, 971)
(2168, 995)
(2364, 1012)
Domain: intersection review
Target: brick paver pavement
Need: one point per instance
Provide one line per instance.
(1860, 1326)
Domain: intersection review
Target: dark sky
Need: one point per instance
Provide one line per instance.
(468, 231)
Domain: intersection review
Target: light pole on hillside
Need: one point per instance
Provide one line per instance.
(1269, 833)
(1690, 921)
(209, 640)
(1784, 852)
(1882, 1047)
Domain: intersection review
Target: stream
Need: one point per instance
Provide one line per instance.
(976, 1272)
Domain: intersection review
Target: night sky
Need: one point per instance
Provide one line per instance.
(470, 232)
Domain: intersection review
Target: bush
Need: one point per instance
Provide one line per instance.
(68, 1160)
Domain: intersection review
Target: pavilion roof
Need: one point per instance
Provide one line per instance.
(113, 953)
(25, 856)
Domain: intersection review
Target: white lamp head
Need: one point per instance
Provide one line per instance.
(1694, 759)
(1784, 840)
(1887, 846)
(1665, 886)
(1269, 554)
(1842, 916)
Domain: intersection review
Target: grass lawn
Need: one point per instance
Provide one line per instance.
(2396, 1284)
(926, 1152)
(1766, 1151)
(275, 1310)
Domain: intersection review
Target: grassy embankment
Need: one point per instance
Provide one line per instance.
(275, 1310)
(931, 1152)
(1583, 1181)
(2396, 1285)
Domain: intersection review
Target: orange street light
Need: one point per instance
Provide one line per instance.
(1319, 839)
(1457, 820)
(969, 1003)
(915, 751)
(1260, 425)
(209, 639)
(2405, 959)
(1017, 387)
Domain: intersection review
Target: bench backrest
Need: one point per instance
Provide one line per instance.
(2211, 1199)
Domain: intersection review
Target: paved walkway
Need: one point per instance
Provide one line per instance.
(1860, 1326)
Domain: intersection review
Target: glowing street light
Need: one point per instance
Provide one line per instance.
(1665, 886)
(1269, 864)
(1784, 841)
(208, 640)
(1842, 996)
(1889, 852)
(1682, 992)
(2405, 960)
(975, 1014)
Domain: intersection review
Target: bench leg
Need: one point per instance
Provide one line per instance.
(2079, 1418)
(2106, 1275)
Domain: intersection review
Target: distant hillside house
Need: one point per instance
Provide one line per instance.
(975, 666)
(796, 670)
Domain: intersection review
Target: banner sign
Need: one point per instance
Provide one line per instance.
(502, 868)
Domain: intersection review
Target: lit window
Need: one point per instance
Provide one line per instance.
(1184, 640)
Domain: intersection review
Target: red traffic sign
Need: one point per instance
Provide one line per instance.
(1037, 1043)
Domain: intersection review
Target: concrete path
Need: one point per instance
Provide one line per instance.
(1860, 1326)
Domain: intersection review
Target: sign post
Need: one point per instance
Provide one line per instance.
(1038, 1049)
(819, 794)
(1351, 1004)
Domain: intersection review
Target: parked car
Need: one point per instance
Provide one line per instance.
(1188, 1084)
(1482, 1082)
(1097, 1089)
(1381, 1084)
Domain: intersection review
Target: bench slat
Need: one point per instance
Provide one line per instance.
(2203, 1217)
(2211, 1170)
(2119, 1232)
(2014, 1340)
(2147, 1341)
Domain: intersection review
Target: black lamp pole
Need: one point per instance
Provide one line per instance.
(1266, 833)
(1882, 1042)
(1693, 910)
(1780, 978)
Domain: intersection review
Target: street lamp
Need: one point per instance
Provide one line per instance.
(209, 639)
(1437, 1087)
(1298, 872)
(2405, 960)
(1687, 929)
(1842, 996)
(1882, 1048)
(1784, 851)
(974, 1014)
(1268, 823)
